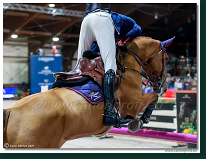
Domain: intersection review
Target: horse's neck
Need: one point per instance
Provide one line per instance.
(141, 49)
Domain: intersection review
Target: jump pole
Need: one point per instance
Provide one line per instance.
(189, 138)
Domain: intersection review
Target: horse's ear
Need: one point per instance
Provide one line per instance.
(166, 43)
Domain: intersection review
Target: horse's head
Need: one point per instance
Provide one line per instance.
(159, 66)
(155, 56)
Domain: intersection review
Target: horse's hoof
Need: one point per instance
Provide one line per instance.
(135, 125)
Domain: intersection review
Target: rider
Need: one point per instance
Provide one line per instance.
(102, 27)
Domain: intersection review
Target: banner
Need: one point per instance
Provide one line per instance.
(186, 111)
(8, 92)
(41, 71)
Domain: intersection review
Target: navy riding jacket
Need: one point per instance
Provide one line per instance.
(126, 28)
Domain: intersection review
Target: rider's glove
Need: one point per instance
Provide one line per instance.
(120, 43)
(123, 48)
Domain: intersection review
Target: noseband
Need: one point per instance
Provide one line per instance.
(155, 82)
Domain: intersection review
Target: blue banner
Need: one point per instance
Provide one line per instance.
(8, 92)
(42, 69)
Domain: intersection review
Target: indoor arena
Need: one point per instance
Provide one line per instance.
(57, 58)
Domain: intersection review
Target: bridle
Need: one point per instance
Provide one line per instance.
(154, 82)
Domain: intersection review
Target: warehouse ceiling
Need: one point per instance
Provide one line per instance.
(36, 24)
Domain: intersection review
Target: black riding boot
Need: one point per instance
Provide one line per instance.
(147, 113)
(110, 117)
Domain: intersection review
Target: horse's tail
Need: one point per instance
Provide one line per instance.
(6, 114)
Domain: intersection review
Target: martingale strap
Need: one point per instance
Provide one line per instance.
(122, 67)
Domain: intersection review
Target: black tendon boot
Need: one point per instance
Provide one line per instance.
(110, 117)
(147, 113)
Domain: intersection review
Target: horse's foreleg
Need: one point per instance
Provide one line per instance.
(139, 104)
(149, 106)
(147, 101)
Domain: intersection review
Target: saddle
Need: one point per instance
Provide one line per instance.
(93, 68)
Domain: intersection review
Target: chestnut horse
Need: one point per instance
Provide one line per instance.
(49, 119)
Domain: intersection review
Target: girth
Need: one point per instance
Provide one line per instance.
(87, 67)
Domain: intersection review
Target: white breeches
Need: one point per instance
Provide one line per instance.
(99, 27)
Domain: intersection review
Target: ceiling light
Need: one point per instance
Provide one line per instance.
(54, 10)
(156, 15)
(14, 36)
(55, 39)
(51, 5)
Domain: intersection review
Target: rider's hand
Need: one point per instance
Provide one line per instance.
(123, 48)
(120, 43)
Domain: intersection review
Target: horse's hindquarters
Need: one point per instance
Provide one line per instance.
(50, 118)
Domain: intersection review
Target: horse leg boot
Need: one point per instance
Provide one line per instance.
(147, 113)
(110, 117)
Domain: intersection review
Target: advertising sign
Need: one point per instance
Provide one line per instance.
(186, 111)
(42, 69)
(8, 92)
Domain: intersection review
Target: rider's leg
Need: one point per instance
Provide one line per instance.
(111, 118)
(100, 28)
(104, 34)
(86, 37)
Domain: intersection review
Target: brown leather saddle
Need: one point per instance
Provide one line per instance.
(87, 67)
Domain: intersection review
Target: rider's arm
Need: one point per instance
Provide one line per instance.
(131, 30)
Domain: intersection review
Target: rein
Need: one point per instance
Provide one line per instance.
(121, 66)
